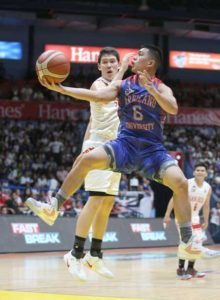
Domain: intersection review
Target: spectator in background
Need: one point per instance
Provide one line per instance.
(52, 182)
(61, 173)
(146, 208)
(56, 150)
(123, 183)
(26, 92)
(4, 210)
(214, 226)
(134, 183)
(26, 179)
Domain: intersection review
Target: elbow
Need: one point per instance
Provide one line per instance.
(174, 109)
(103, 100)
(97, 97)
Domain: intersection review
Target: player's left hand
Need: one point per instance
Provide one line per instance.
(125, 61)
(51, 85)
(166, 221)
(146, 81)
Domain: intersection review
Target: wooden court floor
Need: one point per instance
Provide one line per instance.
(139, 274)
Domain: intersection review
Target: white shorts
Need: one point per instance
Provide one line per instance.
(101, 180)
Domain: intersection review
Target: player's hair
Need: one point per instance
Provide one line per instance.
(200, 165)
(108, 51)
(156, 54)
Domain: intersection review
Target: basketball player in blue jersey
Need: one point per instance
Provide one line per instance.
(143, 103)
(102, 185)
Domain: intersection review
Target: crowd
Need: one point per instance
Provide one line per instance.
(35, 156)
(188, 93)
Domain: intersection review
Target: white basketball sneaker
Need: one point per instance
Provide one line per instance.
(96, 264)
(189, 250)
(46, 211)
(75, 266)
(209, 253)
(182, 274)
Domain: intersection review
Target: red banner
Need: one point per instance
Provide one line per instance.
(40, 111)
(194, 60)
(86, 54)
(64, 111)
(195, 116)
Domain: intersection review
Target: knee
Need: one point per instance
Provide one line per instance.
(181, 185)
(85, 161)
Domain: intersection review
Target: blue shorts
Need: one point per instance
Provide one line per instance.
(132, 154)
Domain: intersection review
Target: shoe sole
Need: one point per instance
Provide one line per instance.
(89, 266)
(205, 256)
(185, 277)
(32, 208)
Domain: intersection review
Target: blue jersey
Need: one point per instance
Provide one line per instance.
(139, 113)
(139, 144)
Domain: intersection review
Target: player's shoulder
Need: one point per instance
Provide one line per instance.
(99, 83)
(191, 180)
(132, 78)
(206, 184)
(157, 80)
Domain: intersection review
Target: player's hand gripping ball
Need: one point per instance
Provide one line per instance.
(53, 66)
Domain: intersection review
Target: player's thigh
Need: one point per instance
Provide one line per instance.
(96, 158)
(93, 203)
(107, 202)
(174, 178)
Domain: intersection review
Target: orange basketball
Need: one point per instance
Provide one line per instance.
(53, 65)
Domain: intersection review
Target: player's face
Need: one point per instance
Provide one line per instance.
(200, 173)
(108, 66)
(142, 61)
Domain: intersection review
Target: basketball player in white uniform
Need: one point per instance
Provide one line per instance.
(103, 185)
(199, 195)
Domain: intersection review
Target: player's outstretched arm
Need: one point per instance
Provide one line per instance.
(103, 95)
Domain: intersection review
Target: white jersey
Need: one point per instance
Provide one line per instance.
(197, 196)
(104, 118)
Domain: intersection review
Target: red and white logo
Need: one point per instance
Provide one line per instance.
(21, 228)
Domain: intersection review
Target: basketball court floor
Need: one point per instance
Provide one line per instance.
(139, 274)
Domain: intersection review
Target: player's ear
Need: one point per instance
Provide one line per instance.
(119, 65)
(151, 63)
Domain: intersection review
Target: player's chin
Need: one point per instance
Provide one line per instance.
(109, 76)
